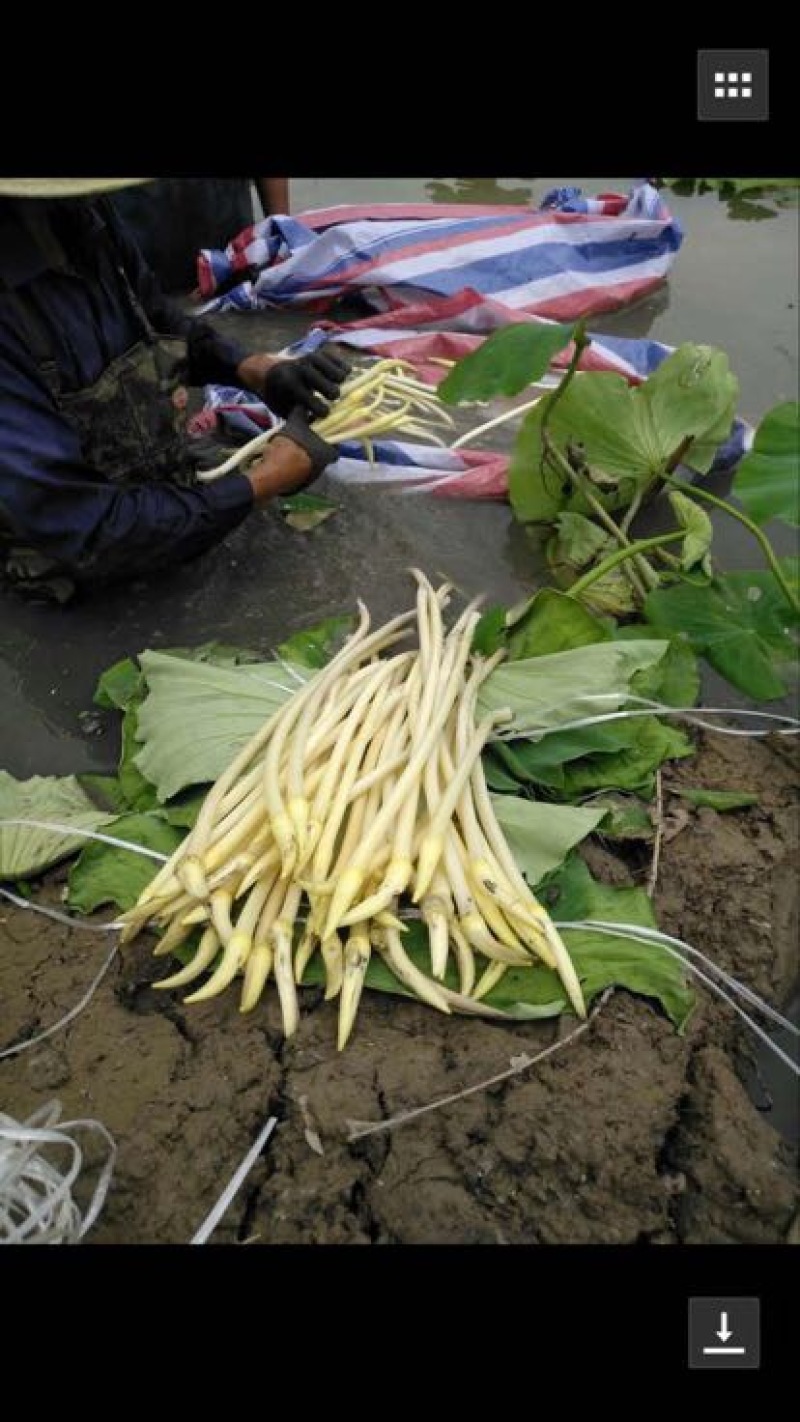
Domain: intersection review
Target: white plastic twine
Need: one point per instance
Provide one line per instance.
(56, 914)
(74, 831)
(235, 1183)
(684, 952)
(790, 726)
(36, 1204)
(64, 918)
(68, 1016)
(674, 946)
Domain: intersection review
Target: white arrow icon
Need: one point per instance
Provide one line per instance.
(723, 1331)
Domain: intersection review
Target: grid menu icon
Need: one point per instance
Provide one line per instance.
(732, 84)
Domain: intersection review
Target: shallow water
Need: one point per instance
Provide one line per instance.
(734, 283)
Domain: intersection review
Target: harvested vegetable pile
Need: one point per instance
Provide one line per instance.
(365, 786)
(385, 397)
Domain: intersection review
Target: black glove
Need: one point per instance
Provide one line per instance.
(296, 382)
(321, 453)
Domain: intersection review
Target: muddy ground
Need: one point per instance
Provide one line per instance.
(631, 1133)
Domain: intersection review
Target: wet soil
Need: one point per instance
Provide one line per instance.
(631, 1133)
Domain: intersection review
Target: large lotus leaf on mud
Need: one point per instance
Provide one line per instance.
(539, 835)
(619, 755)
(633, 768)
(602, 960)
(196, 717)
(546, 692)
(123, 687)
(719, 800)
(222, 694)
(674, 680)
(50, 798)
(552, 621)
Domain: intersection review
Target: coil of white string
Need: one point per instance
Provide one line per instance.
(37, 1205)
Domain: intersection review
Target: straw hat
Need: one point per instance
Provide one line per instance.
(63, 187)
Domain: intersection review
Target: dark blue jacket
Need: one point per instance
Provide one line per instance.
(49, 497)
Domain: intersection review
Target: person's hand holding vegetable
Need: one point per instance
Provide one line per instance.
(298, 391)
(307, 382)
(293, 459)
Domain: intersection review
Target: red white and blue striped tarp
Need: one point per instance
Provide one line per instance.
(441, 280)
(572, 257)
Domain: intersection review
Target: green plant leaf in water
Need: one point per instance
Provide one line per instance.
(578, 543)
(626, 434)
(118, 685)
(105, 874)
(767, 482)
(478, 190)
(741, 623)
(735, 185)
(611, 595)
(506, 362)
